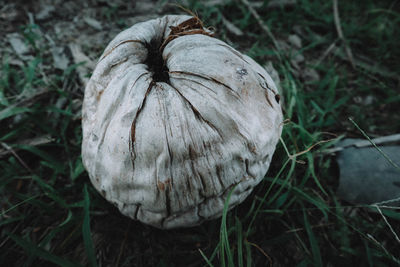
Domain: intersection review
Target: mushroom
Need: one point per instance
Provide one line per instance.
(174, 120)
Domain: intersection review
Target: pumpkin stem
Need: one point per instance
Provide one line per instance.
(156, 63)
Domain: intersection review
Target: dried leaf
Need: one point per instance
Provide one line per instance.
(45, 12)
(18, 44)
(80, 57)
(93, 23)
(295, 41)
(231, 27)
(60, 59)
(281, 3)
(310, 75)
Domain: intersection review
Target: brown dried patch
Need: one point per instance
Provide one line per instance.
(166, 185)
(267, 98)
(277, 98)
(160, 186)
(133, 125)
(188, 27)
(252, 148)
(98, 96)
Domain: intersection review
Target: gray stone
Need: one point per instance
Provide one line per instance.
(366, 176)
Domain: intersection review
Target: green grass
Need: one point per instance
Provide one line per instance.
(51, 215)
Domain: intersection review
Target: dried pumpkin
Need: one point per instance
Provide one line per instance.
(174, 119)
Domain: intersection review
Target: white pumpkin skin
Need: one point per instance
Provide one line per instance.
(168, 153)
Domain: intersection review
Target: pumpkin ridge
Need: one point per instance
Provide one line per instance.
(197, 114)
(133, 125)
(234, 93)
(106, 53)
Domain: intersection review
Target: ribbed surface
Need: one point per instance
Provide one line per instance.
(167, 154)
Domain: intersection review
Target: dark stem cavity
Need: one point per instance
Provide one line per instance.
(156, 63)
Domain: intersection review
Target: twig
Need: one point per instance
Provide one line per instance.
(373, 68)
(388, 224)
(262, 25)
(383, 248)
(312, 146)
(377, 148)
(380, 204)
(326, 53)
(18, 157)
(293, 156)
(379, 140)
(366, 143)
(36, 141)
(261, 250)
(322, 225)
(340, 33)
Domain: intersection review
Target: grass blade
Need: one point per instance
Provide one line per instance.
(313, 242)
(248, 254)
(22, 202)
(380, 150)
(239, 232)
(41, 253)
(12, 111)
(205, 258)
(273, 182)
(313, 175)
(86, 233)
(225, 247)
